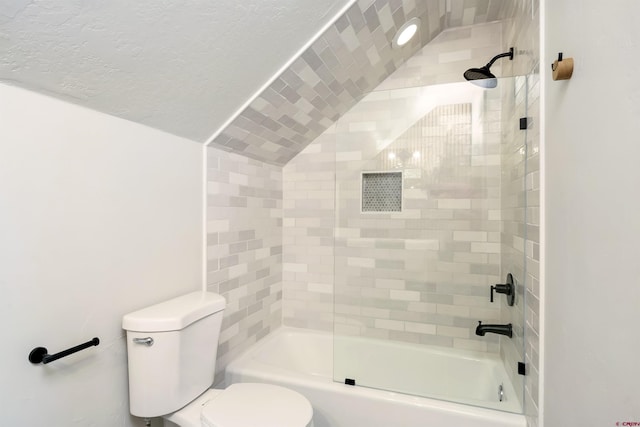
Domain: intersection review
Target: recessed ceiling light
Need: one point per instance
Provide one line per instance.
(406, 32)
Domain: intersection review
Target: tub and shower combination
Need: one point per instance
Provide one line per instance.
(427, 210)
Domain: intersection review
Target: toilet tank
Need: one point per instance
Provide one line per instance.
(171, 349)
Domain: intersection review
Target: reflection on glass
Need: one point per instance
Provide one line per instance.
(411, 285)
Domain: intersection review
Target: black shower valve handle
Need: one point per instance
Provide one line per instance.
(501, 289)
(507, 289)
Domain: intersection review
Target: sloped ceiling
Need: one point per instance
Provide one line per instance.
(350, 59)
(187, 67)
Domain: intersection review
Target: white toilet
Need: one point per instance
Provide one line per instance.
(172, 350)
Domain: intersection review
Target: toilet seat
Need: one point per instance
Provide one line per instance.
(257, 405)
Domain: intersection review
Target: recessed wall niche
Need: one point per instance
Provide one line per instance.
(381, 191)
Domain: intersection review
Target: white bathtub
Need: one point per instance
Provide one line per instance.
(303, 361)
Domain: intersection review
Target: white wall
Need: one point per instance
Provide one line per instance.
(98, 217)
(592, 215)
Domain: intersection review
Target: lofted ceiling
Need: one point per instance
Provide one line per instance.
(212, 71)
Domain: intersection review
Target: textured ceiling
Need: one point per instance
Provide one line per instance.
(183, 66)
(186, 67)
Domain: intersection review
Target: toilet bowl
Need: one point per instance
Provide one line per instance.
(171, 353)
(245, 405)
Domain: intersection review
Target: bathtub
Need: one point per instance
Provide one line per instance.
(303, 361)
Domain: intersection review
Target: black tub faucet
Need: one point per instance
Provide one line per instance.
(494, 329)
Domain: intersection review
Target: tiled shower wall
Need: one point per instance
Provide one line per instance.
(419, 275)
(309, 209)
(308, 227)
(244, 248)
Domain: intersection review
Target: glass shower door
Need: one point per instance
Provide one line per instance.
(421, 189)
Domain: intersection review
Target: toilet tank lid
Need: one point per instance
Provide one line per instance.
(175, 314)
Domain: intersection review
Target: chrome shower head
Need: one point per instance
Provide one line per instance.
(482, 76)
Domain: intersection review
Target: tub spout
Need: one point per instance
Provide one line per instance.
(494, 329)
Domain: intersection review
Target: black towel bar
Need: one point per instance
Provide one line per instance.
(41, 354)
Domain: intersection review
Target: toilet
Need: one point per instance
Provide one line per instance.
(171, 350)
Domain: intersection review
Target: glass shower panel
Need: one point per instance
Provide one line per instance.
(419, 240)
